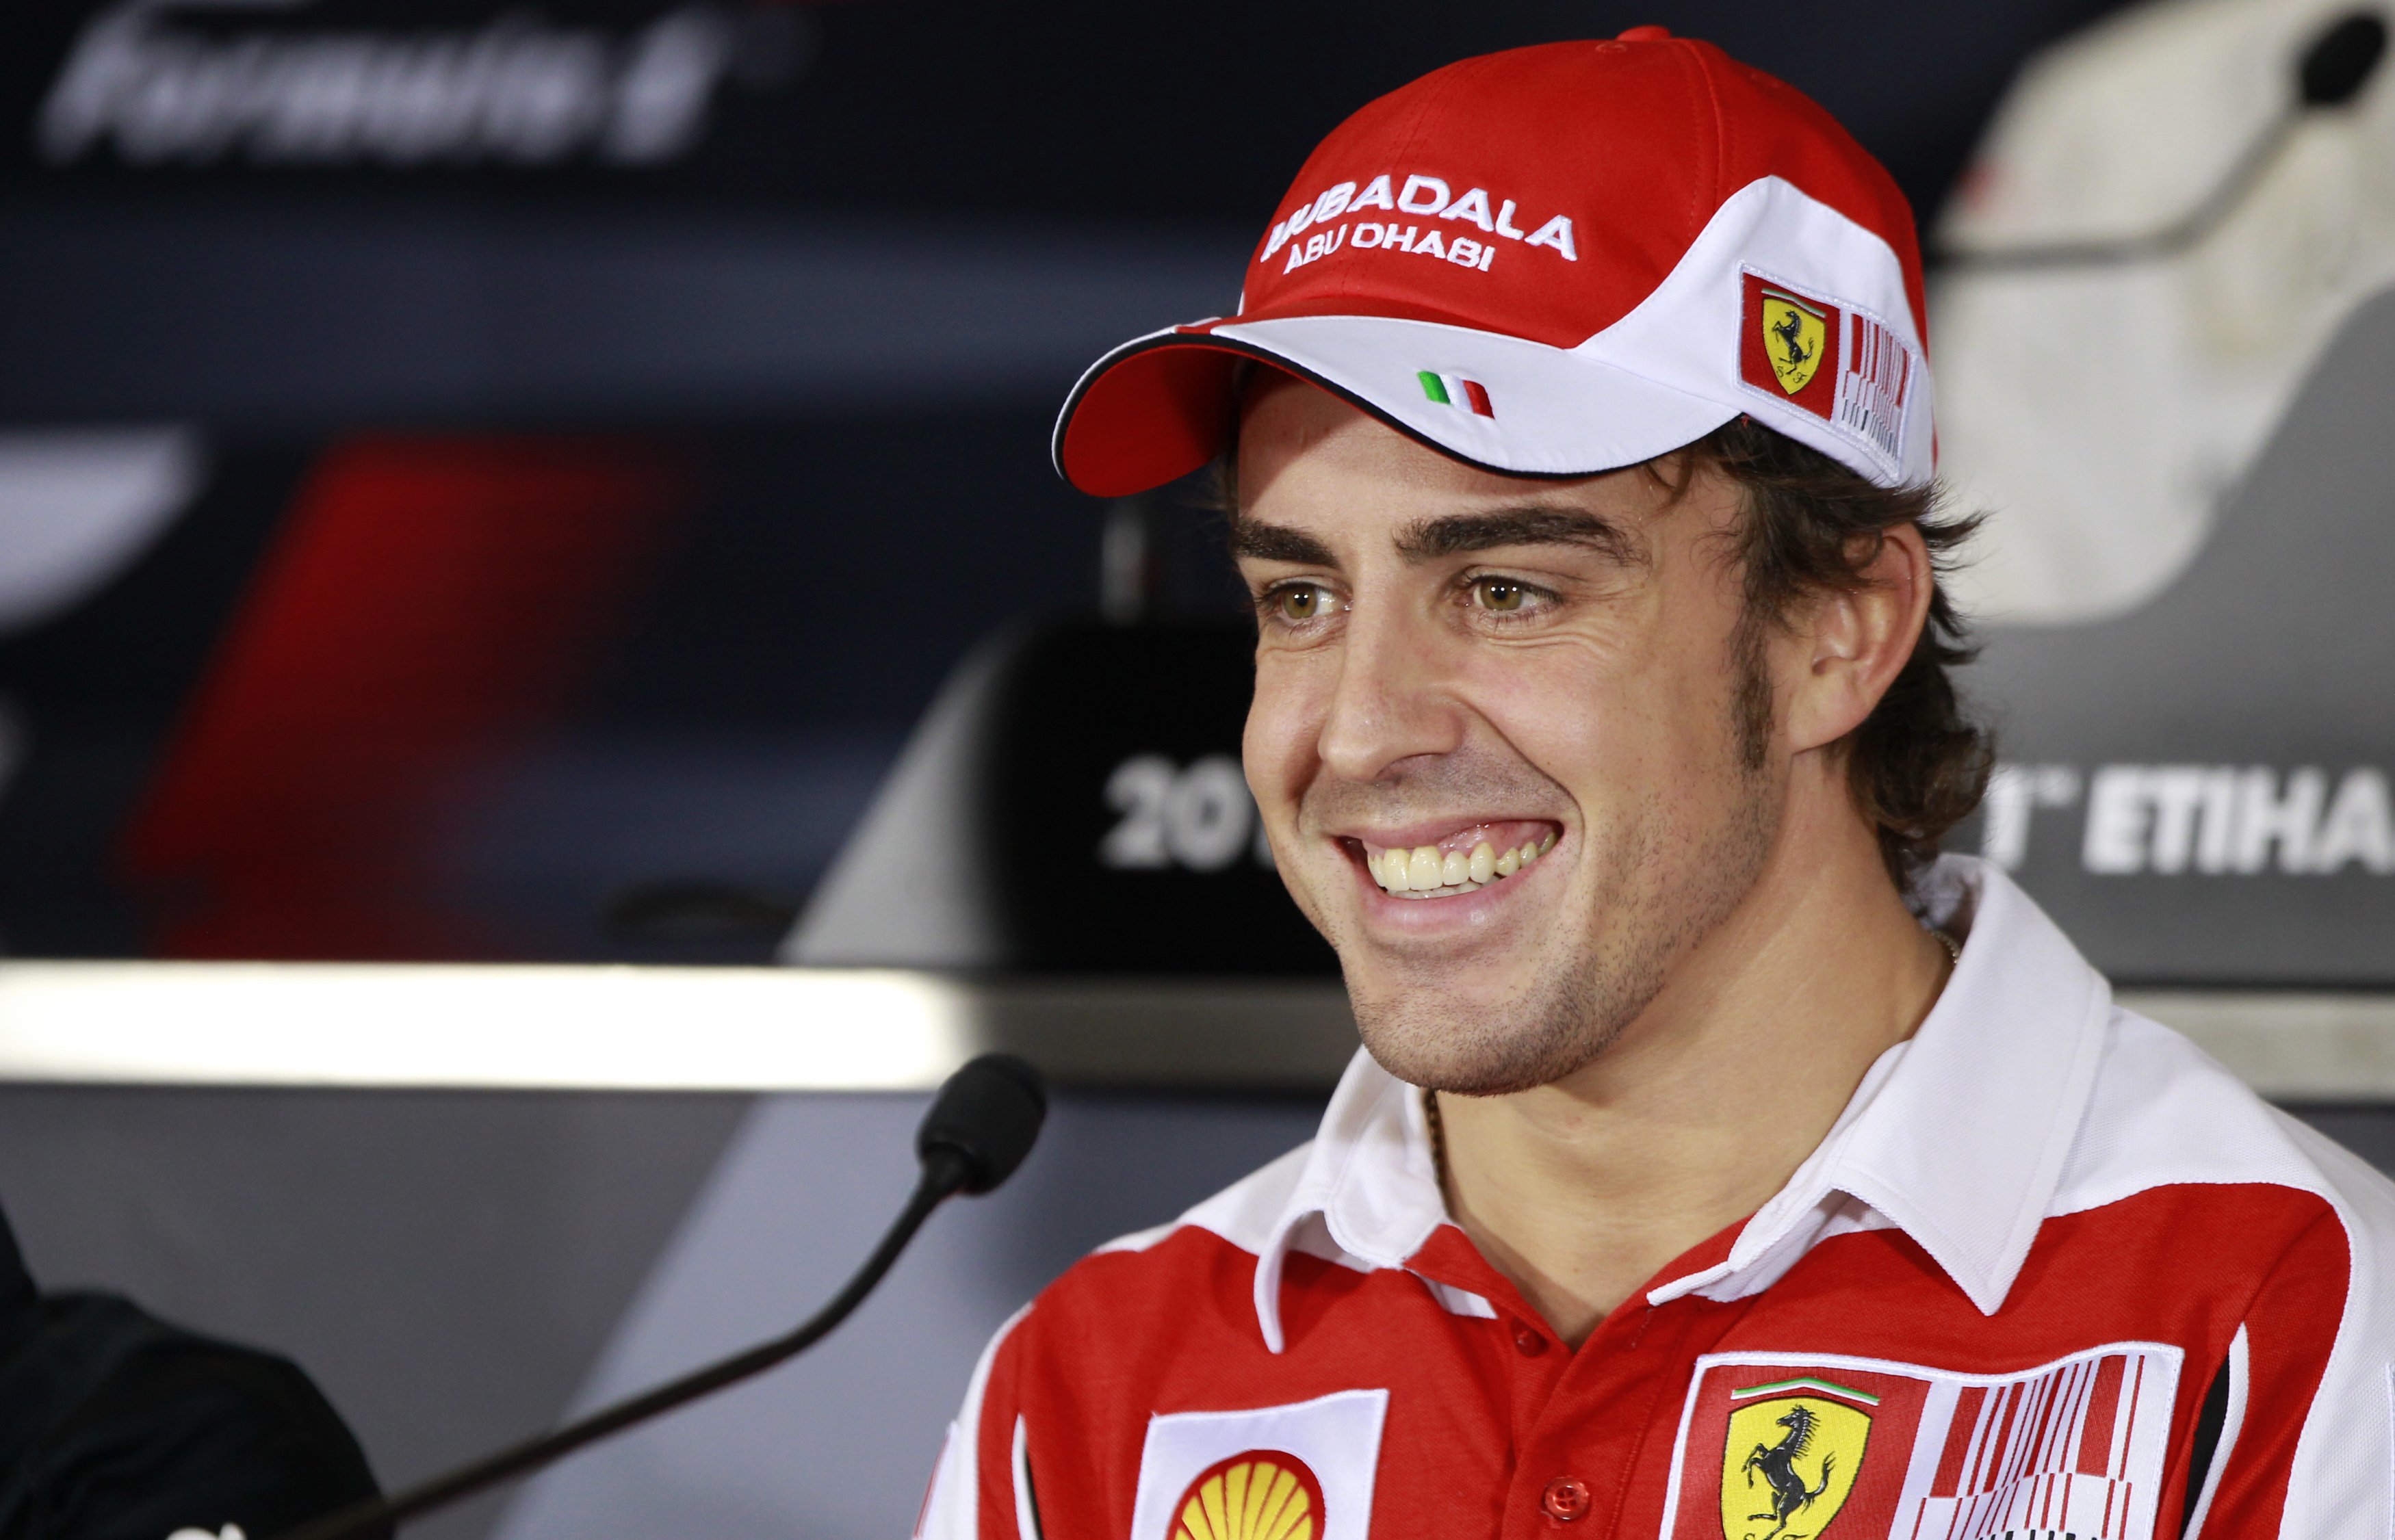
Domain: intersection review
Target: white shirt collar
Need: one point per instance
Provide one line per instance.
(1956, 1136)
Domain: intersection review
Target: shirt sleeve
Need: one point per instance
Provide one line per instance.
(974, 1491)
(2305, 1428)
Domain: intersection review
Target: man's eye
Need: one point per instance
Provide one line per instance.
(1299, 602)
(1499, 594)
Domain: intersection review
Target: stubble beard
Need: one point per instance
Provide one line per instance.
(1663, 893)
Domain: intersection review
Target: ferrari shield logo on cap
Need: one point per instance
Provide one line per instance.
(1790, 345)
(1792, 1456)
(1794, 334)
(1262, 1494)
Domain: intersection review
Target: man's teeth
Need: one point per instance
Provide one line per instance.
(1425, 872)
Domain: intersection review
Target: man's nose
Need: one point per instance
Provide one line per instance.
(1391, 701)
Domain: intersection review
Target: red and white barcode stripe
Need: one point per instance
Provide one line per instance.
(1876, 381)
(2053, 1453)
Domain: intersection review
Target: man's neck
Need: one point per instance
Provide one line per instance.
(1581, 1191)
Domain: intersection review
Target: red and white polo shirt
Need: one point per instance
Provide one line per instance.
(2053, 1272)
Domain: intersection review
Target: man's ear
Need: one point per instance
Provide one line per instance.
(1851, 643)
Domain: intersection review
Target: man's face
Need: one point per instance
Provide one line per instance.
(1456, 666)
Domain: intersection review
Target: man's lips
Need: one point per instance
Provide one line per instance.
(1444, 860)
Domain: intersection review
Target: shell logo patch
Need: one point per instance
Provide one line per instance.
(1303, 1470)
(1262, 1494)
(1793, 1451)
(1788, 1446)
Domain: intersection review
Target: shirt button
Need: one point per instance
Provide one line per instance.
(1565, 1500)
(1530, 1342)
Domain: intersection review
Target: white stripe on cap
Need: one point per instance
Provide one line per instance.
(1663, 375)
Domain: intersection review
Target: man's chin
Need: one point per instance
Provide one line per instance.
(1482, 1042)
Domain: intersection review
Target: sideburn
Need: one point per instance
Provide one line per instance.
(1751, 703)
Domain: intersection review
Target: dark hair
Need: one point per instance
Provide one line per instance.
(1916, 766)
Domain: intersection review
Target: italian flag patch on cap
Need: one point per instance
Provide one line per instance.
(1455, 390)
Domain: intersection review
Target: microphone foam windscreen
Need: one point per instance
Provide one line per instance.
(988, 1115)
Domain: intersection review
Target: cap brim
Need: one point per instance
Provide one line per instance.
(1160, 406)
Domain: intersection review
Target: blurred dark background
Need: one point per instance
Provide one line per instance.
(558, 451)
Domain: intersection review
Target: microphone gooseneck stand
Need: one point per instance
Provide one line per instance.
(2330, 73)
(978, 1132)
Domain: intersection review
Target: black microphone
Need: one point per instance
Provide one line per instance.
(2331, 72)
(980, 1126)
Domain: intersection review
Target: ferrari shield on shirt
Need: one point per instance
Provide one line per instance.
(2053, 1272)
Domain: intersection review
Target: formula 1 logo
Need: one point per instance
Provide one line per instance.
(268, 82)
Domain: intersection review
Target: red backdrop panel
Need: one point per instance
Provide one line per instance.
(430, 605)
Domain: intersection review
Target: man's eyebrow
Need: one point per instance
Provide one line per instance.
(1264, 542)
(1459, 533)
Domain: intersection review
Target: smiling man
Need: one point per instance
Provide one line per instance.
(1722, 1163)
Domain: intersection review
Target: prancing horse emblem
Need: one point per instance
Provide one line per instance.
(1789, 1461)
(1777, 1463)
(1794, 336)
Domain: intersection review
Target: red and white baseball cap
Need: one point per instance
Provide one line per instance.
(1557, 261)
